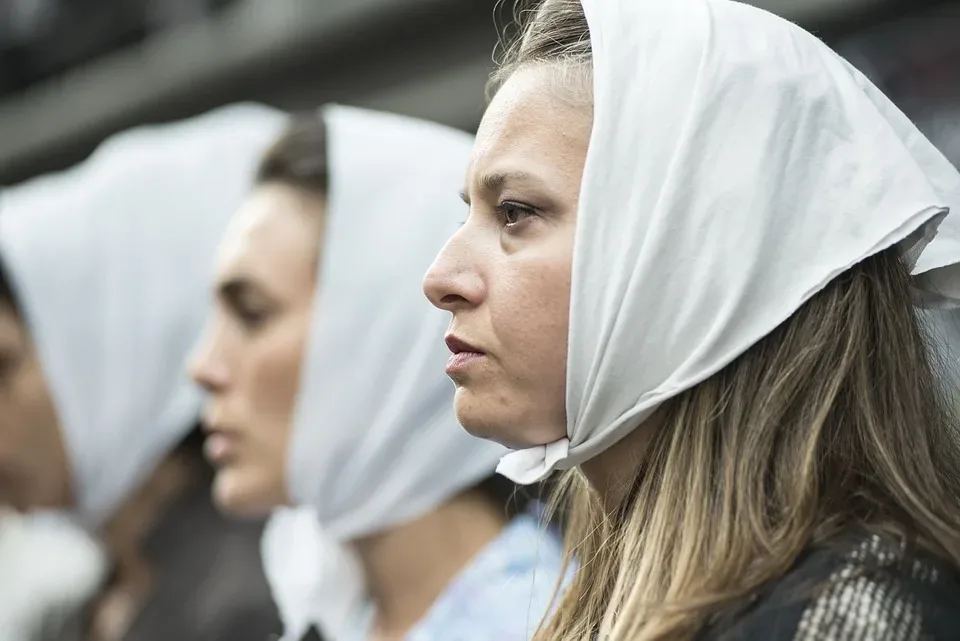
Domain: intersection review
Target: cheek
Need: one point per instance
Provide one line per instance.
(28, 441)
(24, 419)
(254, 482)
(529, 311)
(273, 382)
(530, 314)
(273, 379)
(11, 419)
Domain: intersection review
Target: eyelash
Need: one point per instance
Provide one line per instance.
(507, 209)
(251, 320)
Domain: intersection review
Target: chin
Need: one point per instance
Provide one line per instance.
(492, 421)
(237, 494)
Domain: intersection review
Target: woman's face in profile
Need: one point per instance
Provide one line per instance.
(34, 472)
(505, 275)
(249, 358)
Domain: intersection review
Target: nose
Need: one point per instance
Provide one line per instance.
(453, 282)
(206, 368)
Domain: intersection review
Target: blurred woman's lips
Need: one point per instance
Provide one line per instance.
(219, 446)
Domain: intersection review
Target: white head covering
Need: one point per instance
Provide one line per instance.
(50, 569)
(314, 579)
(375, 439)
(736, 166)
(111, 264)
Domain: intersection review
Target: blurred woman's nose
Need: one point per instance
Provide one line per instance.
(207, 369)
(448, 284)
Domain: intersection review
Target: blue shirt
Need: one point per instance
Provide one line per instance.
(501, 595)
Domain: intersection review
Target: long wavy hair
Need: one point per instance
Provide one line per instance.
(836, 421)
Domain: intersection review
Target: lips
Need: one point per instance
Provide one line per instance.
(219, 447)
(462, 356)
(459, 346)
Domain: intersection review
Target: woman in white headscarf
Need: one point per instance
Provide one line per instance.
(695, 242)
(324, 366)
(105, 291)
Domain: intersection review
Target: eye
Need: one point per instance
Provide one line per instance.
(251, 318)
(248, 315)
(513, 213)
(245, 303)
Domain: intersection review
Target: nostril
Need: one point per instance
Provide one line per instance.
(453, 299)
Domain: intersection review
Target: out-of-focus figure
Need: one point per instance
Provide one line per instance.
(103, 292)
(325, 368)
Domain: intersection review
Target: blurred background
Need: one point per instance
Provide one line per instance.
(75, 71)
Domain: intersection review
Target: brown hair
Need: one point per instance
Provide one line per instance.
(8, 298)
(298, 158)
(833, 422)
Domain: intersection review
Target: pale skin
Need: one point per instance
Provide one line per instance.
(33, 462)
(249, 357)
(249, 360)
(505, 275)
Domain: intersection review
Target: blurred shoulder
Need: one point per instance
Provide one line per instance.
(506, 590)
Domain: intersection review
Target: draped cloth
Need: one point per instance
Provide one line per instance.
(736, 166)
(375, 440)
(111, 261)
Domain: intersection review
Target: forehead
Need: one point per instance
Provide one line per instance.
(276, 227)
(529, 126)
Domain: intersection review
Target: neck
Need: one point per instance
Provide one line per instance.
(613, 472)
(408, 567)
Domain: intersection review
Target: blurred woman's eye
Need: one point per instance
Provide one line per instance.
(251, 318)
(245, 303)
(512, 214)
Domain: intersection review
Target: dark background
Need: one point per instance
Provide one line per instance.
(74, 71)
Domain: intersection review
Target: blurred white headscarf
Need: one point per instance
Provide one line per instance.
(50, 568)
(375, 439)
(736, 166)
(111, 262)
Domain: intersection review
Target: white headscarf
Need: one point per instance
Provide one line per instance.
(314, 579)
(51, 568)
(736, 166)
(375, 440)
(111, 263)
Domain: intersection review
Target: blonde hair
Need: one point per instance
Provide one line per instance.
(833, 422)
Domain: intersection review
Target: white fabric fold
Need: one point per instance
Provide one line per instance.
(314, 579)
(111, 261)
(736, 166)
(51, 568)
(375, 440)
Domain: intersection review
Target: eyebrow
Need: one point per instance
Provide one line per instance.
(493, 182)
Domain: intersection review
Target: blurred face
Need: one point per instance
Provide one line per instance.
(505, 275)
(33, 465)
(249, 358)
